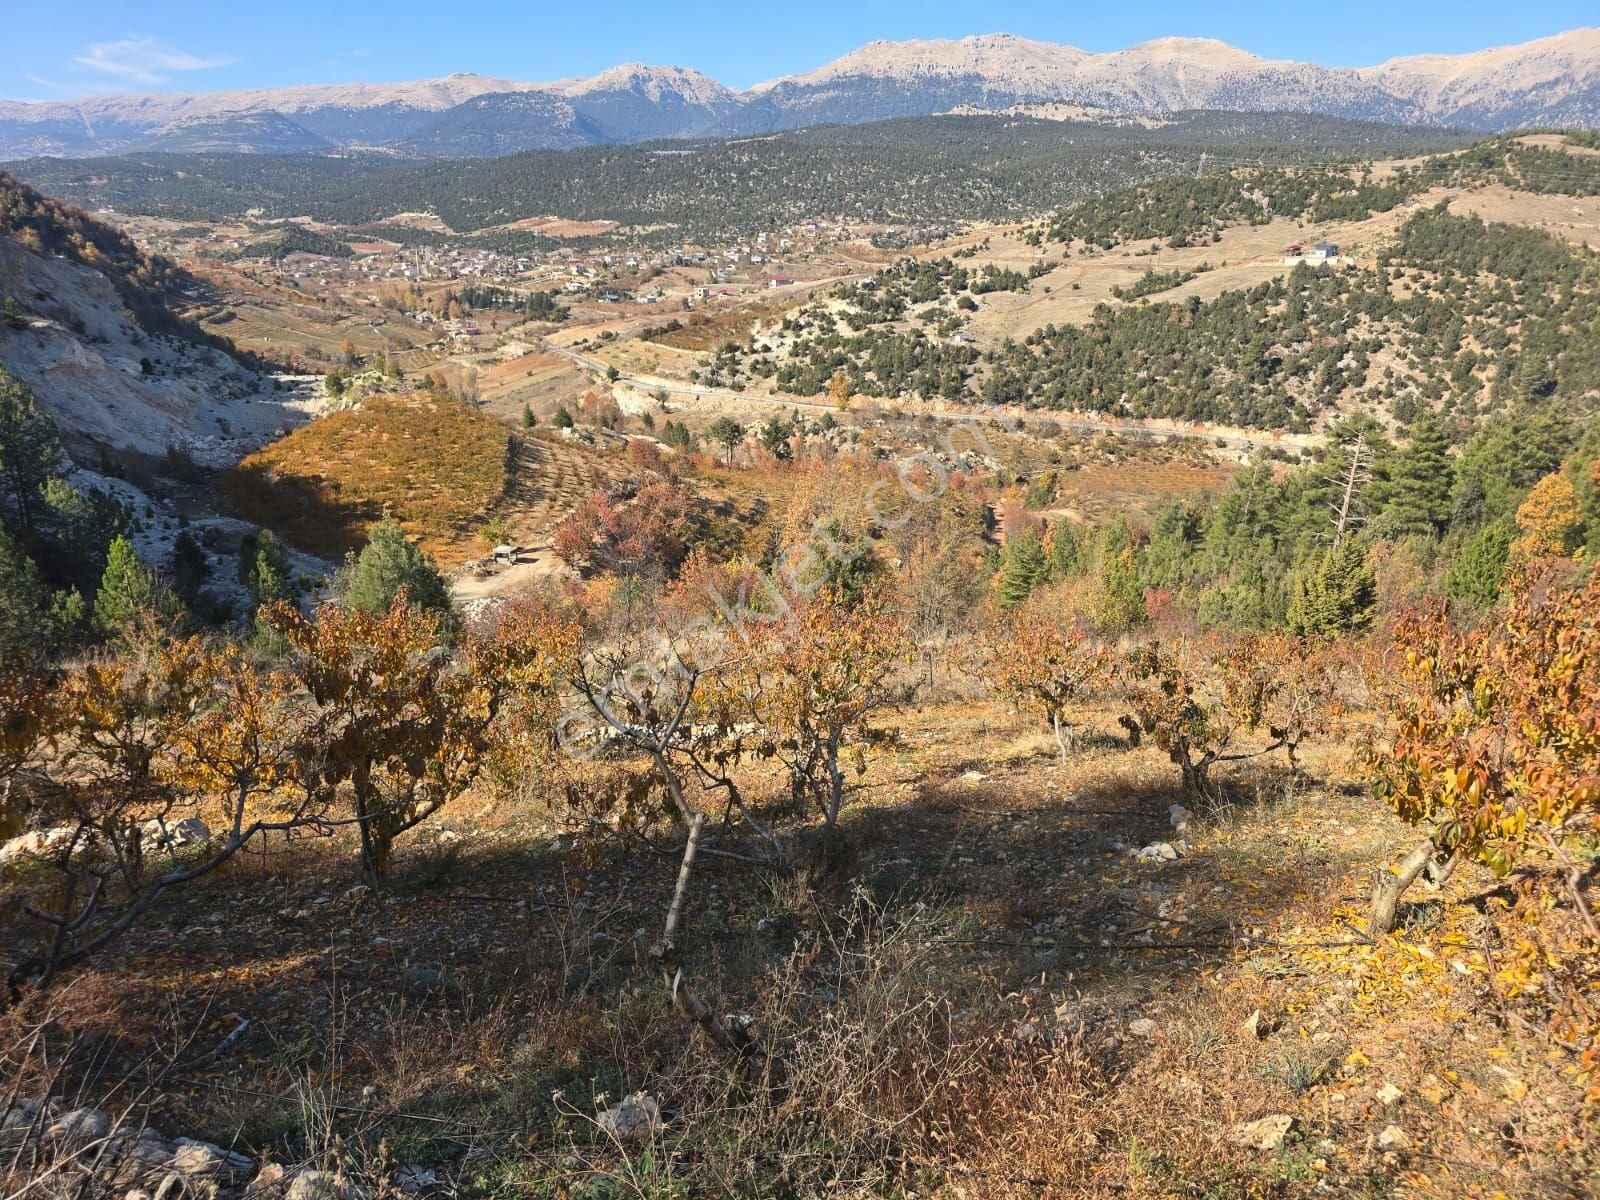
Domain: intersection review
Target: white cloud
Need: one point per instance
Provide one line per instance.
(49, 85)
(144, 59)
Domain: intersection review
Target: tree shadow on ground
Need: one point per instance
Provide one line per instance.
(309, 512)
(544, 940)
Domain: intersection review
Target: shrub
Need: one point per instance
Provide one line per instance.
(1199, 701)
(1496, 752)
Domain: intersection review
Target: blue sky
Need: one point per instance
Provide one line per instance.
(190, 46)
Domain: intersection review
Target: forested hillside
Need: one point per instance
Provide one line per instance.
(1185, 211)
(831, 804)
(915, 170)
(1451, 313)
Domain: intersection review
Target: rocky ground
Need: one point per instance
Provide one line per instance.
(1105, 991)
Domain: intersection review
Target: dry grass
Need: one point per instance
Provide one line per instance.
(951, 1014)
(433, 463)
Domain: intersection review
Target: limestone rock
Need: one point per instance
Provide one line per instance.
(1265, 1133)
(78, 1129)
(414, 1179)
(1258, 1025)
(268, 1181)
(1394, 1138)
(35, 843)
(1157, 852)
(314, 1185)
(195, 1159)
(164, 835)
(636, 1118)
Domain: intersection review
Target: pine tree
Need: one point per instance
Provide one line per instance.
(1022, 569)
(727, 432)
(1421, 480)
(1118, 603)
(775, 438)
(1336, 597)
(24, 624)
(1066, 551)
(132, 601)
(1478, 573)
(190, 568)
(30, 452)
(264, 567)
(388, 563)
(1119, 599)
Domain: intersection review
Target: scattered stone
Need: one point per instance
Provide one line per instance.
(195, 1159)
(1144, 1027)
(313, 1185)
(269, 1181)
(35, 843)
(21, 1114)
(142, 1157)
(1258, 1025)
(1394, 1138)
(1156, 852)
(159, 835)
(78, 1128)
(636, 1118)
(415, 1179)
(1265, 1133)
(1389, 1095)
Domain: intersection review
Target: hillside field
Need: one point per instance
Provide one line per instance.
(435, 464)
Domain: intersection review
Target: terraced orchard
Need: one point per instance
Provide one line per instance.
(433, 463)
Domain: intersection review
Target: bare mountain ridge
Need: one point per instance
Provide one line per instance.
(1551, 81)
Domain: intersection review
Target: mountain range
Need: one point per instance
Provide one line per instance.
(1554, 81)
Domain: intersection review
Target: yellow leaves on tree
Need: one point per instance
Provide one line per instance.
(1549, 519)
(1496, 748)
(402, 722)
(839, 389)
(813, 684)
(1041, 660)
(1198, 700)
(141, 741)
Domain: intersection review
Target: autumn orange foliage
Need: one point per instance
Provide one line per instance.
(1198, 700)
(813, 686)
(1042, 660)
(1496, 751)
